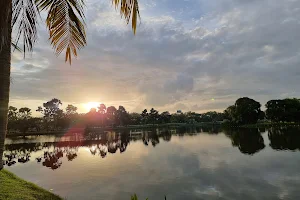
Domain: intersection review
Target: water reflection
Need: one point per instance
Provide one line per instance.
(184, 163)
(285, 138)
(104, 143)
(99, 143)
(249, 141)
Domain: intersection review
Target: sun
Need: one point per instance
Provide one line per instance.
(88, 106)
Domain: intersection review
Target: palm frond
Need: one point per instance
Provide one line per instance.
(65, 22)
(129, 9)
(24, 19)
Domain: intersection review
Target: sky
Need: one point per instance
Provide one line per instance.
(189, 55)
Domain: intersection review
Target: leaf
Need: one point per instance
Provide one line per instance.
(65, 22)
(129, 9)
(24, 19)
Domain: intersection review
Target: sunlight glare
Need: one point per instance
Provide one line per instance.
(88, 106)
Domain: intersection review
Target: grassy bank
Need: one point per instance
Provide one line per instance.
(14, 188)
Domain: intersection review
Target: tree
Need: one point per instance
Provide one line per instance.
(144, 116)
(286, 110)
(12, 118)
(165, 117)
(65, 22)
(23, 122)
(111, 115)
(102, 111)
(230, 113)
(71, 110)
(245, 111)
(51, 113)
(135, 118)
(153, 116)
(122, 117)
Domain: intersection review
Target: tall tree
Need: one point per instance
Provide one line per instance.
(102, 111)
(65, 22)
(51, 112)
(23, 122)
(12, 117)
(122, 116)
(144, 116)
(111, 115)
(153, 115)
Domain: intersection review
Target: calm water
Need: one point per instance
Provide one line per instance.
(182, 164)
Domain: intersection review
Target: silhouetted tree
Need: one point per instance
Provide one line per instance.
(135, 118)
(287, 110)
(245, 111)
(165, 117)
(12, 118)
(51, 113)
(122, 116)
(153, 116)
(144, 116)
(111, 115)
(102, 111)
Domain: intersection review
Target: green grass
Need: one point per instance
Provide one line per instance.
(14, 188)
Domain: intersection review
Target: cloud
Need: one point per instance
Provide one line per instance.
(181, 54)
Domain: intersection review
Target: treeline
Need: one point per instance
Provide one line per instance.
(244, 111)
(54, 118)
(248, 111)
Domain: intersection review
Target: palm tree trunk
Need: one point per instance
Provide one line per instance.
(5, 59)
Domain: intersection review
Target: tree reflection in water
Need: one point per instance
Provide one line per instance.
(99, 143)
(102, 144)
(285, 138)
(249, 141)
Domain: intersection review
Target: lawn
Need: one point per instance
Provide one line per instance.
(14, 188)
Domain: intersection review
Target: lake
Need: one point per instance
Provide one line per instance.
(185, 163)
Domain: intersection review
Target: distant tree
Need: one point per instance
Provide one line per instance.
(153, 116)
(230, 113)
(178, 118)
(51, 112)
(111, 115)
(24, 122)
(122, 116)
(286, 110)
(245, 111)
(135, 118)
(165, 117)
(24, 113)
(91, 117)
(12, 118)
(102, 111)
(211, 116)
(71, 110)
(144, 116)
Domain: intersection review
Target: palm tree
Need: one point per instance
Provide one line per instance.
(65, 22)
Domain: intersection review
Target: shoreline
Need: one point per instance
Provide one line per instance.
(150, 126)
